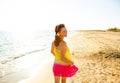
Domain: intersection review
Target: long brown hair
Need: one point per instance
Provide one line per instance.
(57, 38)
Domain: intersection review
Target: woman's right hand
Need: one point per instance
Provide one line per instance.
(71, 63)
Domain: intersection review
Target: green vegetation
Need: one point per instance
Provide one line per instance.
(115, 29)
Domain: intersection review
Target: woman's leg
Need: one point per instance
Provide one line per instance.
(63, 80)
(57, 79)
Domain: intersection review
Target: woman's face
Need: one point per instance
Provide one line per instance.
(63, 32)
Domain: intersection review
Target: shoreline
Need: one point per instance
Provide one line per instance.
(43, 75)
(25, 67)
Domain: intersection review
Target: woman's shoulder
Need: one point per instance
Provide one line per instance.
(63, 43)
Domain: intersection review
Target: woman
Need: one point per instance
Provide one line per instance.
(63, 65)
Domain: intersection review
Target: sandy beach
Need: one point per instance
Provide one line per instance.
(95, 53)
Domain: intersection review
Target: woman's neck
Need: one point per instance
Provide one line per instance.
(62, 38)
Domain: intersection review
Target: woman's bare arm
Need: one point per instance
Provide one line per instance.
(62, 53)
(52, 48)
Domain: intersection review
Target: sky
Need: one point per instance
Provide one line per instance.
(31, 15)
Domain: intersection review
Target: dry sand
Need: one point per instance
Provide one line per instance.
(97, 55)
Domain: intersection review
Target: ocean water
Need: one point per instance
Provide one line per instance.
(18, 44)
(14, 44)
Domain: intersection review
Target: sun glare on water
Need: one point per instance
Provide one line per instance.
(23, 35)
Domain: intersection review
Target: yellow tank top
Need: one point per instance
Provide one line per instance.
(57, 55)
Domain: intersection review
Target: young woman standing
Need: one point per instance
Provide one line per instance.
(63, 65)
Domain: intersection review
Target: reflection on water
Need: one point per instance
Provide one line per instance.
(12, 43)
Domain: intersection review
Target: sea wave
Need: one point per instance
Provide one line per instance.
(6, 59)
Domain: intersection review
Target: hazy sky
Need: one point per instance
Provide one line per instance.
(45, 14)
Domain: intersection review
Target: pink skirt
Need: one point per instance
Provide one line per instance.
(63, 70)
